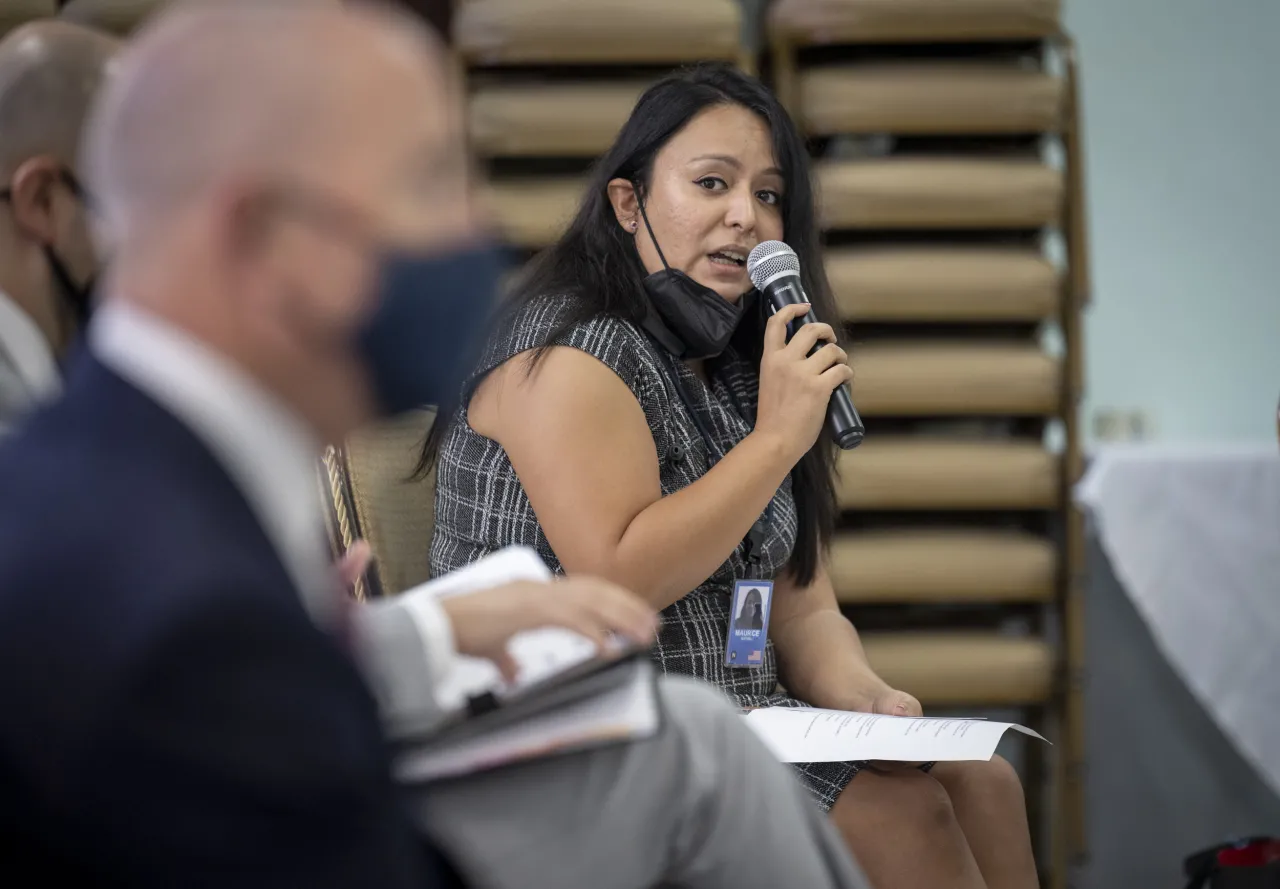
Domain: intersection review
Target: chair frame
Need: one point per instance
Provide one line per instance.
(342, 518)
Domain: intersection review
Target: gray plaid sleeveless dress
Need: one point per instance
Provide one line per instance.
(481, 506)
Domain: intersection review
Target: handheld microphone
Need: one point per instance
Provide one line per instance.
(775, 271)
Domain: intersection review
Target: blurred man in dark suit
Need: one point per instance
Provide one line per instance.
(49, 74)
(174, 715)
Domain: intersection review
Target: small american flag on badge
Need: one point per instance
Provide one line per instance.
(755, 656)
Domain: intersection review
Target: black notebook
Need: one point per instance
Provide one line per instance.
(567, 697)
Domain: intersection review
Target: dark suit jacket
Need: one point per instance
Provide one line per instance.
(169, 714)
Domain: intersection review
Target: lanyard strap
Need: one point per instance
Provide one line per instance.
(754, 541)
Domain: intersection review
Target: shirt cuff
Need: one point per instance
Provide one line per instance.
(437, 635)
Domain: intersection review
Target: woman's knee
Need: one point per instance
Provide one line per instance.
(990, 778)
(907, 800)
(1001, 774)
(904, 830)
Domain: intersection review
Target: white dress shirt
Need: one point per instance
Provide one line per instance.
(270, 453)
(27, 353)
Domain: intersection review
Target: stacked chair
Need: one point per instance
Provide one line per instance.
(955, 247)
(14, 13)
(119, 17)
(550, 83)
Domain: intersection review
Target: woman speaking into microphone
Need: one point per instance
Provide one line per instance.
(639, 416)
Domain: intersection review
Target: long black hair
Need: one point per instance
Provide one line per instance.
(596, 263)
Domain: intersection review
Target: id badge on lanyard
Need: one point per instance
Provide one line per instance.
(749, 623)
(752, 599)
(749, 608)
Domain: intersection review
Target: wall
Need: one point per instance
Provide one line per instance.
(1184, 194)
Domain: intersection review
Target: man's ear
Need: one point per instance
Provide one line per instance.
(246, 214)
(32, 193)
(626, 203)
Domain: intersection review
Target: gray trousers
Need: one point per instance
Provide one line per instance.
(702, 805)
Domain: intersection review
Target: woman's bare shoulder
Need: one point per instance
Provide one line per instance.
(567, 383)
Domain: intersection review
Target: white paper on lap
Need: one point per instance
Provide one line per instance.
(805, 734)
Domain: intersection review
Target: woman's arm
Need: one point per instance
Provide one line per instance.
(579, 442)
(820, 657)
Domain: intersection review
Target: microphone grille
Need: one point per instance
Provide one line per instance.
(769, 259)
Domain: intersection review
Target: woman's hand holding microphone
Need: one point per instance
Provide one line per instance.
(796, 387)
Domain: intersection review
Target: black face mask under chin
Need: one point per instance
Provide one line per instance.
(79, 297)
(689, 319)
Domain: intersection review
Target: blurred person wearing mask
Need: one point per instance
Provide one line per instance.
(49, 73)
(287, 198)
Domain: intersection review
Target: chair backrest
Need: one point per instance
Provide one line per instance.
(375, 496)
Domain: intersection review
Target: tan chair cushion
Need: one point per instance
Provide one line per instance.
(552, 119)
(930, 99)
(532, 213)
(943, 283)
(964, 669)
(397, 515)
(923, 193)
(954, 565)
(905, 379)
(117, 16)
(908, 21)
(18, 12)
(919, 472)
(498, 32)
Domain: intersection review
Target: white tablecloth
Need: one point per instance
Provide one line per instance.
(1194, 537)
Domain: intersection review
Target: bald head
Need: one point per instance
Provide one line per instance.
(256, 163)
(49, 74)
(280, 89)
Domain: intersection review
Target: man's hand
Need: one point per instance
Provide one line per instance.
(484, 621)
(354, 564)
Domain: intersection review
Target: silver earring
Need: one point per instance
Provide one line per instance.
(633, 225)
